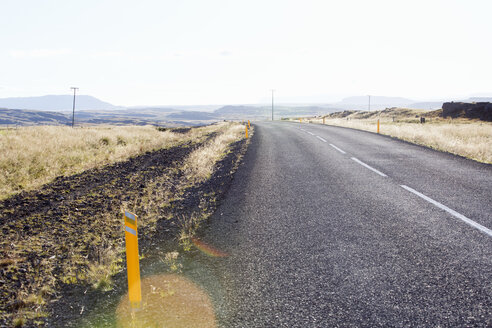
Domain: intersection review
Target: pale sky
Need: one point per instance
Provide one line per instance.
(183, 52)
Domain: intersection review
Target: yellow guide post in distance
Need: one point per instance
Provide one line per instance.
(246, 131)
(249, 125)
(323, 120)
(378, 126)
(132, 261)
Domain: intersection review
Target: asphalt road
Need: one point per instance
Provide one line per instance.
(333, 227)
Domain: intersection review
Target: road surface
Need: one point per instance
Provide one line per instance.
(333, 227)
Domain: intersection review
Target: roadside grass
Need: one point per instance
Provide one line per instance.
(33, 156)
(197, 168)
(464, 137)
(200, 164)
(108, 262)
(92, 249)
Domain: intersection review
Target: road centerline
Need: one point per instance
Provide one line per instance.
(340, 150)
(368, 167)
(321, 139)
(450, 211)
(310, 133)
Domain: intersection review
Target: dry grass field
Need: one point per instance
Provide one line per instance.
(464, 137)
(199, 166)
(33, 156)
(165, 177)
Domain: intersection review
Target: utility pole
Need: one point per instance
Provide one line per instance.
(272, 102)
(369, 106)
(73, 109)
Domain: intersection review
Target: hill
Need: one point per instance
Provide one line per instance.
(57, 103)
(32, 117)
(475, 110)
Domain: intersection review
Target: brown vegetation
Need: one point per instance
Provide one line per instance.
(33, 156)
(70, 231)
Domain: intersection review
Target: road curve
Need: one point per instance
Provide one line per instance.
(333, 227)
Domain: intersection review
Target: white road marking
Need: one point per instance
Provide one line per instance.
(369, 167)
(310, 133)
(450, 211)
(321, 139)
(337, 148)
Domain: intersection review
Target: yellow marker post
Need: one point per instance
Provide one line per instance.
(378, 126)
(246, 132)
(132, 261)
(249, 125)
(300, 120)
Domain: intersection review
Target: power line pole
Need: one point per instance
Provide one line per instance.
(369, 105)
(272, 102)
(73, 109)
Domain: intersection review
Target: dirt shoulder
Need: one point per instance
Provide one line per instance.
(65, 242)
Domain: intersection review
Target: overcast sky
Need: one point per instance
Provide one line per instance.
(168, 52)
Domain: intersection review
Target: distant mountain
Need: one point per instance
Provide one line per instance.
(153, 109)
(57, 103)
(90, 110)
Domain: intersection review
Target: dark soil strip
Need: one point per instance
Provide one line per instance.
(181, 130)
(64, 190)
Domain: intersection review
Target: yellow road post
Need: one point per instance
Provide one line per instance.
(378, 125)
(249, 125)
(246, 131)
(132, 261)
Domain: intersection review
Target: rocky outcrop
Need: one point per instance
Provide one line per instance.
(479, 110)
